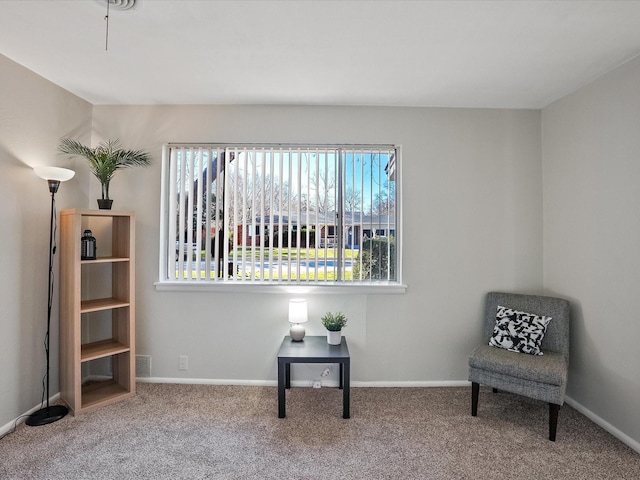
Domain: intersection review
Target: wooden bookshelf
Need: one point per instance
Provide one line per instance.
(97, 309)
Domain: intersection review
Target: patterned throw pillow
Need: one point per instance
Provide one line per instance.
(519, 331)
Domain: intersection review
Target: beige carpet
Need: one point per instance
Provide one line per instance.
(231, 432)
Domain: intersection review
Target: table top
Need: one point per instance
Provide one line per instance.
(313, 347)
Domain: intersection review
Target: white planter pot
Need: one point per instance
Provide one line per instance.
(334, 338)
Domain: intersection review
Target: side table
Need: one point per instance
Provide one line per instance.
(313, 349)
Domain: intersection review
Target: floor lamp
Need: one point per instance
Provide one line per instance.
(53, 176)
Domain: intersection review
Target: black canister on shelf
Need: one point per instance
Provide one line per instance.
(88, 243)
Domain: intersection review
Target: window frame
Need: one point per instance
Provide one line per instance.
(165, 283)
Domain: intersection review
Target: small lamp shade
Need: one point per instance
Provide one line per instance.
(54, 175)
(297, 315)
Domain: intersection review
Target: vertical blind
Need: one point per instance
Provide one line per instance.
(283, 213)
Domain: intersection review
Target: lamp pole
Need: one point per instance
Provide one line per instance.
(49, 414)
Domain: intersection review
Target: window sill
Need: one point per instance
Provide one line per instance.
(245, 287)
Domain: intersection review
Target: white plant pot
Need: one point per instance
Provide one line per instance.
(334, 338)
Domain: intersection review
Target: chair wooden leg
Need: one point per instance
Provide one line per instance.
(475, 390)
(553, 420)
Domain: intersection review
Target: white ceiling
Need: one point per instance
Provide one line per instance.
(496, 54)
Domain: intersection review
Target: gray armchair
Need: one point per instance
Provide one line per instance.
(542, 377)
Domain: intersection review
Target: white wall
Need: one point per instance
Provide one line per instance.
(472, 223)
(591, 164)
(34, 115)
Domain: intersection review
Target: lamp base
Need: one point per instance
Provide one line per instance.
(297, 332)
(47, 415)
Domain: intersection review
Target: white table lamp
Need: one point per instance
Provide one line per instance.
(297, 315)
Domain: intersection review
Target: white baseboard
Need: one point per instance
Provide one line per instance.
(208, 381)
(413, 384)
(302, 383)
(623, 437)
(23, 418)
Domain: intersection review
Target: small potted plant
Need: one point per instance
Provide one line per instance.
(334, 323)
(104, 160)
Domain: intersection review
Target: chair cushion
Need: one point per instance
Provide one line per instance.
(550, 368)
(519, 331)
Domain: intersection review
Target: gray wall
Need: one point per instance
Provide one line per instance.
(472, 208)
(591, 164)
(34, 113)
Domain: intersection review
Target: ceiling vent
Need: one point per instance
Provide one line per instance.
(118, 4)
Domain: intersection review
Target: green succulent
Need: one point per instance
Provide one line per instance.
(334, 322)
(105, 159)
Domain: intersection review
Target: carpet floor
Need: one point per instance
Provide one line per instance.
(233, 432)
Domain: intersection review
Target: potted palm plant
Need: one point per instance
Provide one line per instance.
(334, 323)
(104, 160)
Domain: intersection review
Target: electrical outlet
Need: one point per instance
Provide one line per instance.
(317, 384)
(183, 363)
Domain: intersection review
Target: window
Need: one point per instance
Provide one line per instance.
(280, 214)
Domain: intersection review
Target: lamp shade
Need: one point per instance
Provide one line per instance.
(54, 173)
(298, 310)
